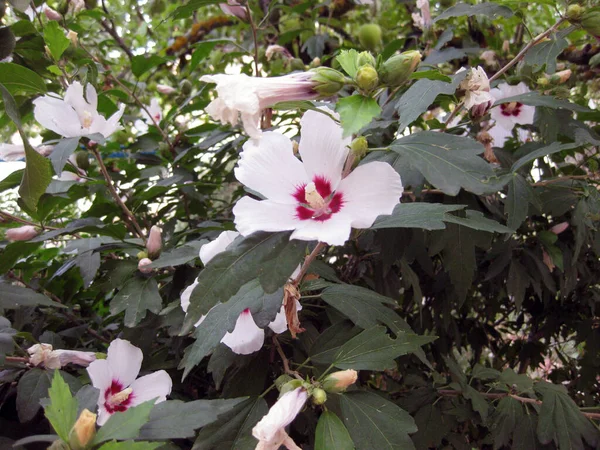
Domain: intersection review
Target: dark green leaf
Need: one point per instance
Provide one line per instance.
(201, 52)
(517, 282)
(125, 425)
(543, 55)
(16, 297)
(62, 410)
(555, 147)
(331, 434)
(536, 99)
(141, 64)
(175, 419)
(505, 419)
(178, 256)
(477, 221)
(430, 216)
(6, 336)
(21, 80)
(61, 152)
(55, 39)
(376, 423)
(135, 298)
(459, 259)
(488, 9)
(14, 252)
(518, 197)
(7, 42)
(32, 387)
(356, 111)
(185, 11)
(431, 75)
(131, 445)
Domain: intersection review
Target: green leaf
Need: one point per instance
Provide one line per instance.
(356, 111)
(429, 216)
(505, 419)
(326, 345)
(517, 282)
(244, 260)
(448, 162)
(431, 75)
(331, 434)
(202, 51)
(15, 251)
(348, 59)
(131, 445)
(141, 64)
(543, 55)
(223, 316)
(55, 39)
(373, 349)
(233, 430)
(518, 197)
(376, 423)
(417, 98)
(536, 99)
(178, 256)
(488, 9)
(62, 410)
(7, 344)
(185, 11)
(555, 147)
(477, 221)
(21, 80)
(32, 387)
(14, 297)
(135, 298)
(561, 421)
(7, 42)
(62, 150)
(175, 419)
(459, 259)
(124, 425)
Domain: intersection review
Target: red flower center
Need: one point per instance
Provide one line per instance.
(511, 109)
(116, 398)
(317, 202)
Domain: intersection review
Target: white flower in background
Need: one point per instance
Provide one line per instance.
(116, 375)
(477, 91)
(270, 431)
(277, 49)
(152, 117)
(241, 95)
(76, 5)
(489, 58)
(310, 196)
(43, 354)
(52, 14)
(23, 233)
(234, 8)
(76, 115)
(15, 152)
(507, 115)
(165, 89)
(422, 19)
(246, 337)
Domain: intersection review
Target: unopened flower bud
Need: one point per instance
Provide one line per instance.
(296, 64)
(543, 81)
(506, 46)
(561, 77)
(186, 87)
(154, 243)
(143, 265)
(59, 445)
(574, 12)
(319, 396)
(142, 255)
(329, 81)
(399, 68)
(164, 89)
(234, 8)
(73, 38)
(82, 160)
(277, 49)
(22, 233)
(366, 78)
(369, 36)
(559, 228)
(365, 58)
(359, 147)
(316, 62)
(290, 386)
(339, 381)
(52, 14)
(83, 431)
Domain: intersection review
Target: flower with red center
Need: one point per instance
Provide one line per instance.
(310, 196)
(115, 377)
(507, 115)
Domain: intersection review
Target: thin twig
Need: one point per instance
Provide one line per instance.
(8, 216)
(286, 363)
(307, 262)
(16, 359)
(254, 37)
(116, 196)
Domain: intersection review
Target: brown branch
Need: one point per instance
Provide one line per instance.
(307, 262)
(284, 360)
(10, 217)
(16, 359)
(254, 38)
(110, 28)
(109, 183)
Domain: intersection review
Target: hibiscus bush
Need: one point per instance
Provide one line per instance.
(298, 224)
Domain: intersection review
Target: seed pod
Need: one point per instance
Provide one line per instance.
(369, 36)
(399, 68)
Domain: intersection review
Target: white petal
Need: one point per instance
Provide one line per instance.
(212, 249)
(526, 115)
(107, 127)
(269, 166)
(333, 231)
(279, 324)
(254, 215)
(185, 296)
(10, 152)
(101, 376)
(58, 116)
(75, 357)
(125, 361)
(322, 148)
(281, 414)
(103, 415)
(246, 337)
(369, 191)
(92, 96)
(499, 134)
(74, 97)
(157, 385)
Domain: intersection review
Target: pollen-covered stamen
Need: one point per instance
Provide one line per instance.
(119, 397)
(87, 119)
(313, 198)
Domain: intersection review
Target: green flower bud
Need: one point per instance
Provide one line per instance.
(319, 396)
(59, 445)
(543, 81)
(367, 78)
(316, 62)
(590, 21)
(297, 64)
(329, 81)
(141, 255)
(186, 87)
(365, 58)
(399, 68)
(359, 147)
(574, 12)
(82, 160)
(290, 386)
(369, 36)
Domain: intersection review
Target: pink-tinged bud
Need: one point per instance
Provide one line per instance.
(142, 265)
(42, 354)
(83, 431)
(233, 8)
(154, 244)
(75, 357)
(561, 77)
(559, 228)
(22, 233)
(339, 381)
(164, 89)
(51, 14)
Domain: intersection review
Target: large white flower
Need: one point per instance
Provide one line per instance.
(270, 431)
(507, 115)
(246, 337)
(310, 196)
(241, 95)
(477, 91)
(116, 375)
(76, 115)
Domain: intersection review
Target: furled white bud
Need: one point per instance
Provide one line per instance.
(154, 243)
(22, 233)
(142, 265)
(164, 89)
